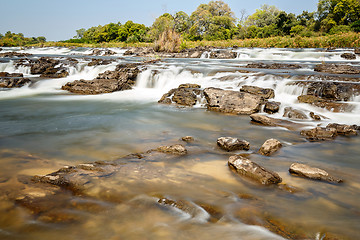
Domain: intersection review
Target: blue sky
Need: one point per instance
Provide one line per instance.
(59, 20)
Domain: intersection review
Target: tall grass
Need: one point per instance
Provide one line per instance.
(170, 41)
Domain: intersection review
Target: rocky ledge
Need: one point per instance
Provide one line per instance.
(122, 78)
(12, 80)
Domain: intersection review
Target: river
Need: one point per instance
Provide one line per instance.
(43, 128)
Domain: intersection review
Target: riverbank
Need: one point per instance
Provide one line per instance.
(346, 40)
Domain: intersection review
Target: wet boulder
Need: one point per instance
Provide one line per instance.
(252, 170)
(59, 72)
(269, 147)
(295, 114)
(232, 144)
(306, 171)
(185, 95)
(315, 116)
(97, 62)
(123, 78)
(233, 102)
(336, 68)
(13, 82)
(266, 93)
(348, 56)
(343, 129)
(223, 54)
(319, 134)
(188, 139)
(42, 64)
(332, 90)
(272, 107)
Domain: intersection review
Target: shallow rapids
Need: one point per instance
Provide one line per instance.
(43, 128)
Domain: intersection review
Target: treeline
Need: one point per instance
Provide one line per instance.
(17, 39)
(216, 21)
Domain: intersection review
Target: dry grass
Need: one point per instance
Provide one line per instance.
(169, 41)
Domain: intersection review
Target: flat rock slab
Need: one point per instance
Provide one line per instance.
(232, 144)
(306, 171)
(273, 122)
(336, 68)
(233, 102)
(270, 146)
(320, 134)
(254, 171)
(266, 93)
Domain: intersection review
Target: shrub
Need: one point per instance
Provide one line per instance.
(169, 41)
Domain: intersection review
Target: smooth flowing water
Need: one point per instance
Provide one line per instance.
(43, 128)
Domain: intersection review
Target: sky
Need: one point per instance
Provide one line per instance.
(58, 20)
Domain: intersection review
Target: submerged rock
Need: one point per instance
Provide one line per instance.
(294, 113)
(232, 144)
(266, 93)
(270, 146)
(185, 95)
(176, 149)
(188, 139)
(306, 171)
(234, 102)
(348, 56)
(319, 134)
(254, 171)
(336, 68)
(272, 107)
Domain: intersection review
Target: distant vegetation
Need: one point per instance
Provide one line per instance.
(17, 39)
(216, 21)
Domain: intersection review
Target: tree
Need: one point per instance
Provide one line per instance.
(212, 21)
(285, 21)
(182, 22)
(264, 16)
(160, 25)
(80, 33)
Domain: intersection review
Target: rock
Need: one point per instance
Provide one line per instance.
(14, 54)
(142, 51)
(273, 66)
(13, 82)
(42, 64)
(123, 78)
(271, 107)
(55, 73)
(269, 147)
(11, 75)
(343, 129)
(185, 95)
(232, 101)
(331, 90)
(348, 56)
(266, 93)
(336, 68)
(329, 105)
(176, 149)
(223, 54)
(97, 62)
(254, 171)
(272, 122)
(306, 171)
(102, 52)
(294, 113)
(315, 116)
(232, 144)
(187, 139)
(357, 50)
(319, 134)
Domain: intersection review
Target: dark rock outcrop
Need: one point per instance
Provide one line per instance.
(266, 93)
(254, 171)
(343, 129)
(97, 62)
(14, 54)
(332, 90)
(185, 95)
(306, 171)
(13, 82)
(320, 134)
(273, 66)
(233, 102)
(11, 75)
(48, 68)
(269, 147)
(348, 56)
(123, 78)
(336, 68)
(102, 52)
(327, 104)
(232, 144)
(357, 50)
(272, 107)
(223, 54)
